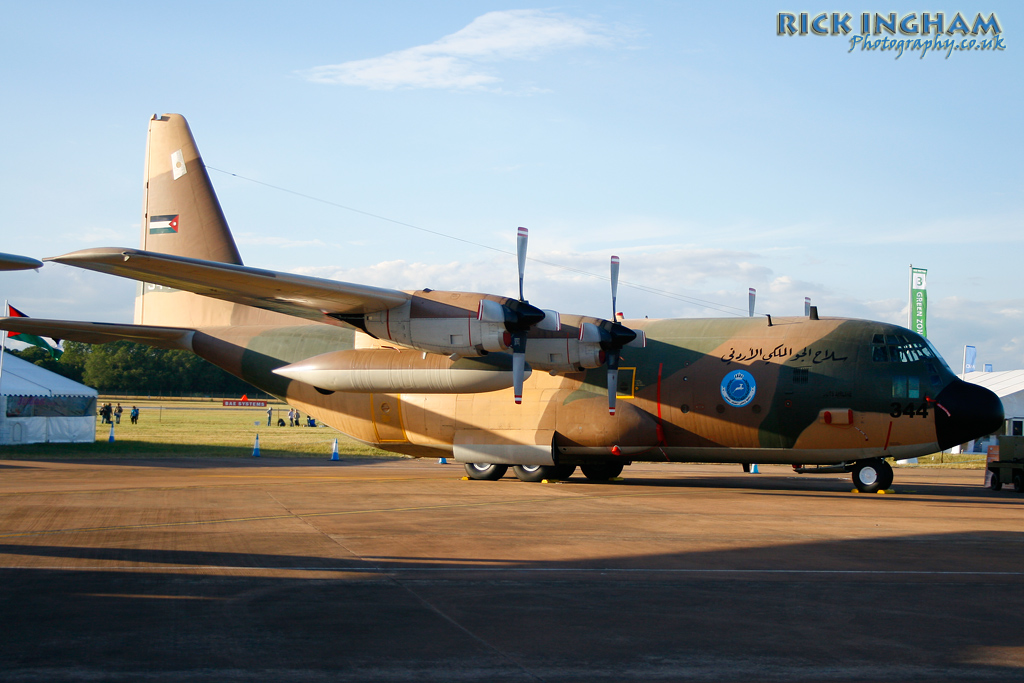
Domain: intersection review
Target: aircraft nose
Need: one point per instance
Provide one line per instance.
(973, 412)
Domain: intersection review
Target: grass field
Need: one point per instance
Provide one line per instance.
(187, 428)
(197, 428)
(953, 461)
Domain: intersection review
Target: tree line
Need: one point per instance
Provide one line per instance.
(124, 367)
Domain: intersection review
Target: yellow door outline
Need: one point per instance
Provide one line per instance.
(623, 374)
(387, 418)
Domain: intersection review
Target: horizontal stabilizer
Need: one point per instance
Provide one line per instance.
(306, 297)
(102, 333)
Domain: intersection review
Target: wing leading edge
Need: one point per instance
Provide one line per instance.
(311, 298)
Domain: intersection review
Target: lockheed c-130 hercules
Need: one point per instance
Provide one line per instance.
(496, 382)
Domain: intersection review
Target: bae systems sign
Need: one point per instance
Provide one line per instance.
(925, 33)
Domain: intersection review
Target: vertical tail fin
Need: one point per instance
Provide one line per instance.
(180, 216)
(180, 212)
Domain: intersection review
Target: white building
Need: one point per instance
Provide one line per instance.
(39, 406)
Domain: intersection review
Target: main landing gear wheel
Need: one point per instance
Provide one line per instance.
(564, 471)
(1018, 483)
(602, 471)
(872, 476)
(485, 471)
(541, 472)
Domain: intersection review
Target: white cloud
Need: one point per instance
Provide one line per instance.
(458, 61)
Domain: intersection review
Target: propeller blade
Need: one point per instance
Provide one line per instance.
(615, 284)
(613, 379)
(518, 366)
(753, 295)
(525, 317)
(521, 240)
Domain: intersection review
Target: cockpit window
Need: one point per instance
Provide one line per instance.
(935, 354)
(898, 348)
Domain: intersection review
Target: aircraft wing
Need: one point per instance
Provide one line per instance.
(101, 333)
(302, 296)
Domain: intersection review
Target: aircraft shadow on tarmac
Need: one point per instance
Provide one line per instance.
(923, 555)
(937, 606)
(221, 457)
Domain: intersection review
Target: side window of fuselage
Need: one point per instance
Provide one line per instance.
(899, 386)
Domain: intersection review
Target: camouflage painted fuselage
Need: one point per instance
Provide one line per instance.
(816, 391)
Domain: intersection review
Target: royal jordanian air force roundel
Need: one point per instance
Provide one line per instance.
(738, 388)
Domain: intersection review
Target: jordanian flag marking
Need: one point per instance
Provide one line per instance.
(162, 224)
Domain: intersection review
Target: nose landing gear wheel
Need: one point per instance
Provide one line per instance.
(872, 476)
(485, 471)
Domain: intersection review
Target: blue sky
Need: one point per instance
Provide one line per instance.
(707, 152)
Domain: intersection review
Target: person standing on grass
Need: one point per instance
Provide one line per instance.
(270, 414)
(117, 413)
(134, 415)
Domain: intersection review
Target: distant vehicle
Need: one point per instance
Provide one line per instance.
(497, 382)
(1009, 469)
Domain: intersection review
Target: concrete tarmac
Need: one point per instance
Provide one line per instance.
(246, 570)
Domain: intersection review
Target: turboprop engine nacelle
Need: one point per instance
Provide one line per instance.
(459, 323)
(467, 324)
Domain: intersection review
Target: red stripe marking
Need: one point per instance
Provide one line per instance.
(887, 435)
(387, 320)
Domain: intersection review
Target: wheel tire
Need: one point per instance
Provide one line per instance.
(872, 476)
(996, 484)
(1018, 482)
(485, 471)
(885, 475)
(602, 471)
(535, 472)
(564, 471)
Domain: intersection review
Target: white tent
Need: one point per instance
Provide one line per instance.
(38, 406)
